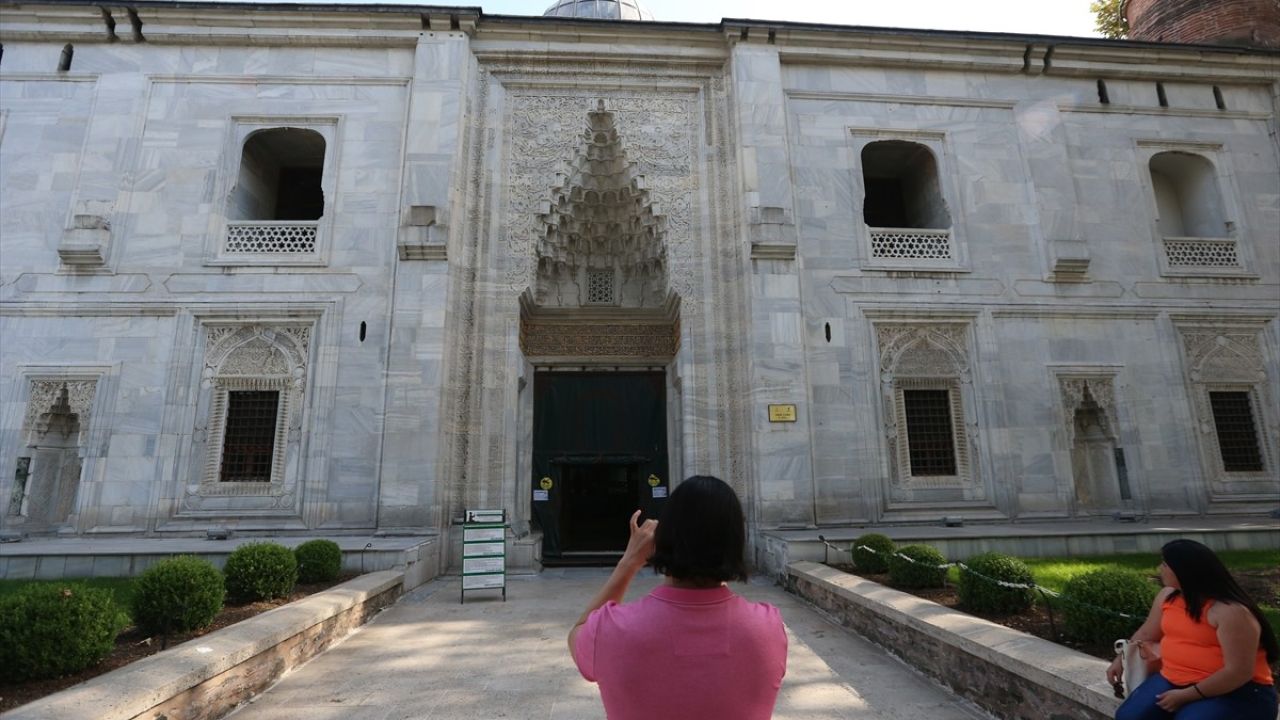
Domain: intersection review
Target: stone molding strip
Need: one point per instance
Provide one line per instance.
(1009, 673)
(208, 676)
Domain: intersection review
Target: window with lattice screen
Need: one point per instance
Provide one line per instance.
(600, 287)
(1237, 432)
(248, 445)
(930, 440)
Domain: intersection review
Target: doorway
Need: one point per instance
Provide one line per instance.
(599, 454)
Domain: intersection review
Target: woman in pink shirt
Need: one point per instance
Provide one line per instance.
(692, 648)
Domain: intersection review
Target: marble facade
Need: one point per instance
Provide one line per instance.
(1050, 307)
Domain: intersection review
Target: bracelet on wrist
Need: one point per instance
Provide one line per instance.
(1196, 687)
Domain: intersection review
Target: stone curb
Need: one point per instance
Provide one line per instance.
(1009, 673)
(151, 682)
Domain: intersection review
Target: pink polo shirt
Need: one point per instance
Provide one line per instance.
(676, 653)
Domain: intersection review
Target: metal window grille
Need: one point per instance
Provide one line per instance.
(930, 442)
(1237, 436)
(250, 436)
(600, 287)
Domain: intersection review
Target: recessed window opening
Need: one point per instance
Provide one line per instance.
(249, 440)
(930, 442)
(362, 330)
(902, 187)
(1103, 97)
(280, 175)
(1187, 197)
(1237, 432)
(1160, 95)
(1218, 99)
(828, 331)
(64, 61)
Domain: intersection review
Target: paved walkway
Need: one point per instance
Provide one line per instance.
(430, 658)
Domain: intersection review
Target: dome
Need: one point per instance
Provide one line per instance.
(599, 9)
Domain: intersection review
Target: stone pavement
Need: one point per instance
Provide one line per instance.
(430, 658)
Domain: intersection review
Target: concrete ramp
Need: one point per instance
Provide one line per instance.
(429, 657)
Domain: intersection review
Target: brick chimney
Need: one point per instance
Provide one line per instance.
(1249, 23)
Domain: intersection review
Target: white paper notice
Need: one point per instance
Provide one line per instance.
(482, 565)
(660, 491)
(479, 549)
(482, 534)
(478, 582)
(541, 496)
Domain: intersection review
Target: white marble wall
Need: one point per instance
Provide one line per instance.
(1038, 173)
(132, 153)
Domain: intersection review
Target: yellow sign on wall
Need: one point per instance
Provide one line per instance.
(782, 413)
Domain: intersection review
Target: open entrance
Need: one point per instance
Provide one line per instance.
(599, 454)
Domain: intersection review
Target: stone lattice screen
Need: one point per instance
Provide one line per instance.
(271, 238)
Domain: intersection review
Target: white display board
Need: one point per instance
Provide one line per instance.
(484, 551)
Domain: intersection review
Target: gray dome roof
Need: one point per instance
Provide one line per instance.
(602, 9)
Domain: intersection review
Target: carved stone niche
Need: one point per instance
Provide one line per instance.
(601, 336)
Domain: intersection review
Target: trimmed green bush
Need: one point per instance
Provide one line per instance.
(922, 573)
(177, 595)
(318, 561)
(1089, 603)
(872, 562)
(978, 592)
(260, 571)
(52, 629)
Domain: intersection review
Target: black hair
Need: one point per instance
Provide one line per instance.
(702, 533)
(1203, 577)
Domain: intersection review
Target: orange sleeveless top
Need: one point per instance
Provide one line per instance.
(1189, 650)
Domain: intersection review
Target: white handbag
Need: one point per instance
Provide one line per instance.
(1133, 666)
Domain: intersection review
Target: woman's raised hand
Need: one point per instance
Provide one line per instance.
(640, 546)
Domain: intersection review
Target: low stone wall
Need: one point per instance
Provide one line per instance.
(205, 678)
(1009, 673)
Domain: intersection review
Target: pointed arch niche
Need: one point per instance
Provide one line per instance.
(1092, 427)
(601, 291)
(50, 463)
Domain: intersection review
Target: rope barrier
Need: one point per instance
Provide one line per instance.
(1044, 591)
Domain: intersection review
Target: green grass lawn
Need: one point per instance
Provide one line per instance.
(1054, 572)
(121, 588)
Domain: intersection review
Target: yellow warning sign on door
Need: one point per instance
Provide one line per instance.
(654, 481)
(545, 483)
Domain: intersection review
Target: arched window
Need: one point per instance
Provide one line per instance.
(1188, 201)
(902, 188)
(280, 176)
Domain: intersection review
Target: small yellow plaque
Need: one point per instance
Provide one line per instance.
(545, 483)
(654, 481)
(782, 413)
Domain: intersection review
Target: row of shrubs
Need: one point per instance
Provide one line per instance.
(52, 629)
(1091, 602)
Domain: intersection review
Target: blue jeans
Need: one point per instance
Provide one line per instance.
(1251, 701)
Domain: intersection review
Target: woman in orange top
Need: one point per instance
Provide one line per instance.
(1214, 645)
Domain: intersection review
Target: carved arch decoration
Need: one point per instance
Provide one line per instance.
(1077, 392)
(640, 148)
(46, 393)
(932, 356)
(601, 218)
(262, 357)
(1226, 357)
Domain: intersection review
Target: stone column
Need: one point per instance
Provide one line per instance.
(410, 496)
(783, 486)
(1044, 139)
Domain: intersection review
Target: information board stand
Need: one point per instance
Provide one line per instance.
(484, 552)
